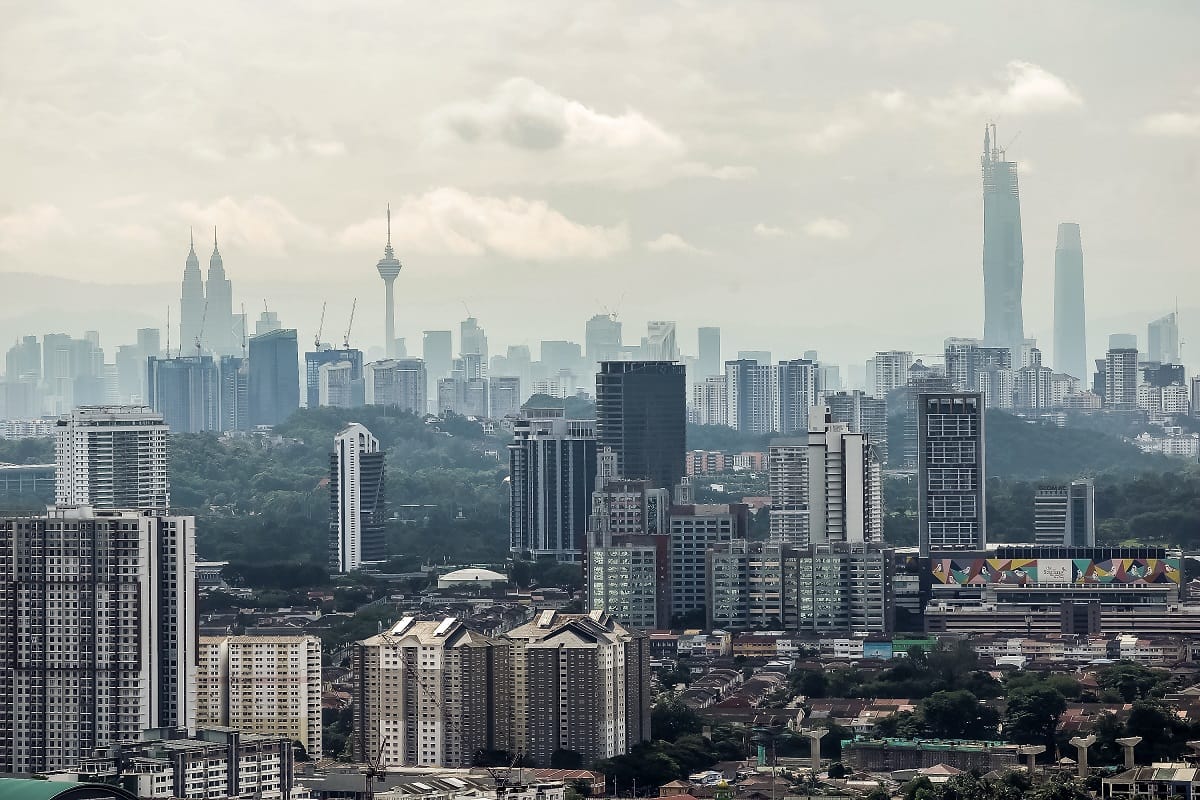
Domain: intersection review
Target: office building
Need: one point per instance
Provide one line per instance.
(628, 579)
(693, 530)
(262, 684)
(1121, 379)
(336, 385)
(709, 402)
(951, 490)
(400, 383)
(641, 414)
(220, 333)
(191, 302)
(1065, 514)
(112, 457)
(1162, 339)
(602, 338)
(890, 371)
(708, 362)
(274, 380)
(968, 361)
(96, 633)
(437, 349)
(353, 392)
(751, 396)
(660, 342)
(357, 500)
(1003, 250)
(787, 482)
(234, 399)
(796, 393)
(862, 413)
(552, 472)
(581, 683)
(431, 694)
(504, 396)
(186, 391)
(24, 360)
(389, 268)
(267, 321)
(1070, 333)
(472, 340)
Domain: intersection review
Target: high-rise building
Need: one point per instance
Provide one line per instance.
(845, 500)
(1003, 251)
(97, 632)
(504, 396)
(581, 683)
(967, 360)
(337, 387)
(1070, 335)
(314, 360)
(787, 482)
(274, 380)
(751, 396)
(1121, 379)
(357, 499)
(891, 371)
(186, 391)
(262, 684)
(191, 303)
(757, 356)
(1122, 341)
(402, 383)
(602, 338)
(951, 485)
(112, 457)
(709, 353)
(431, 694)
(24, 360)
(1065, 514)
(695, 529)
(862, 414)
(437, 348)
(796, 393)
(552, 472)
(660, 341)
(558, 354)
(709, 402)
(641, 414)
(219, 332)
(234, 393)
(267, 321)
(389, 268)
(472, 340)
(1162, 339)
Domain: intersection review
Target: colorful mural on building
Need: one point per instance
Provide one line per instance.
(967, 571)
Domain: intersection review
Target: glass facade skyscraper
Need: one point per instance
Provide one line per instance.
(1003, 251)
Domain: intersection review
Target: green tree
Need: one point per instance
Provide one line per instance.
(958, 715)
(1031, 715)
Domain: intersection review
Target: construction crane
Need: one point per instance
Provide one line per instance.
(346, 338)
(373, 771)
(168, 331)
(320, 327)
(243, 330)
(200, 335)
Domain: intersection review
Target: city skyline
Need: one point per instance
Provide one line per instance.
(518, 172)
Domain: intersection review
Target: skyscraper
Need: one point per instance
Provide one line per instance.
(751, 389)
(314, 360)
(235, 399)
(398, 382)
(472, 340)
(186, 391)
(274, 384)
(796, 393)
(891, 371)
(389, 268)
(437, 348)
(357, 499)
(709, 353)
(641, 413)
(660, 341)
(787, 482)
(1070, 341)
(1003, 251)
(97, 625)
(219, 332)
(1162, 340)
(1121, 378)
(845, 500)
(191, 303)
(1065, 514)
(552, 469)
(951, 486)
(602, 338)
(111, 457)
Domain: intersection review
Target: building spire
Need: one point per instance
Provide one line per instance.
(389, 217)
(214, 238)
(191, 239)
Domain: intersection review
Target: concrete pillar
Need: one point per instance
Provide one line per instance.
(1127, 744)
(814, 746)
(1081, 745)
(1031, 752)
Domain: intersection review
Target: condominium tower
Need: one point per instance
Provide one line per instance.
(111, 457)
(357, 499)
(552, 472)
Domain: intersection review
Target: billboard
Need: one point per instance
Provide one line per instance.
(973, 570)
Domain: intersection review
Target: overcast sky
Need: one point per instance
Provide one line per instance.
(805, 176)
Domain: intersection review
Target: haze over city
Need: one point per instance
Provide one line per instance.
(805, 176)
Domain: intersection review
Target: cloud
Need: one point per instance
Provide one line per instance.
(260, 223)
(768, 231)
(833, 134)
(453, 222)
(137, 234)
(827, 228)
(673, 243)
(265, 148)
(918, 35)
(728, 172)
(1175, 124)
(1027, 89)
(523, 114)
(29, 226)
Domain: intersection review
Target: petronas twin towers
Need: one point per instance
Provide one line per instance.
(206, 319)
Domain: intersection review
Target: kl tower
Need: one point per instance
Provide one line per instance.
(389, 268)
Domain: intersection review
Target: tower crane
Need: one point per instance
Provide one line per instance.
(243, 330)
(320, 327)
(346, 338)
(200, 335)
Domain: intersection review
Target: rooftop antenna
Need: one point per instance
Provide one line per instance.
(346, 338)
(320, 327)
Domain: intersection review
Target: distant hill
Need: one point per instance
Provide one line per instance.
(1021, 449)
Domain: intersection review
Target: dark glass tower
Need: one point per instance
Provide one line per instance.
(951, 491)
(641, 414)
(1070, 352)
(1003, 251)
(274, 381)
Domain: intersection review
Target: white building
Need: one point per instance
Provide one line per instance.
(112, 457)
(787, 481)
(709, 401)
(96, 634)
(1121, 378)
(359, 499)
(335, 384)
(262, 684)
(891, 371)
(399, 382)
(660, 342)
